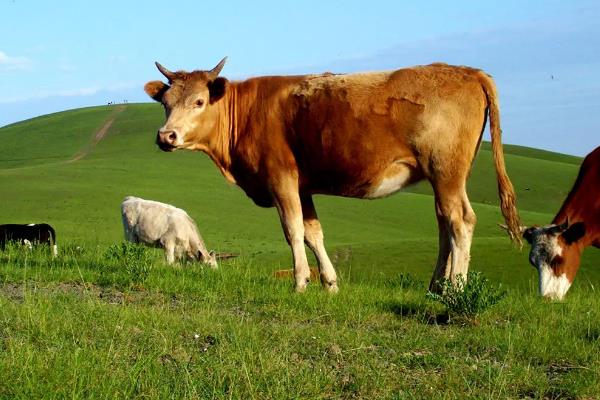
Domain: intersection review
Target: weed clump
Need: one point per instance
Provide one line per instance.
(468, 298)
(133, 258)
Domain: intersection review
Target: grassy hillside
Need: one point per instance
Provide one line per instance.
(50, 138)
(85, 326)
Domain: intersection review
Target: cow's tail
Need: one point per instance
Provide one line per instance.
(505, 188)
(53, 241)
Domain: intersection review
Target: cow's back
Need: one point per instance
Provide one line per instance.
(39, 233)
(347, 129)
(583, 201)
(149, 220)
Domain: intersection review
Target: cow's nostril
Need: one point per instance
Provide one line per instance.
(173, 136)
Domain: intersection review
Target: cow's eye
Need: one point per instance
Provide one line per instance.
(199, 103)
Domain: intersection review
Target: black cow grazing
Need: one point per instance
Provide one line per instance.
(28, 234)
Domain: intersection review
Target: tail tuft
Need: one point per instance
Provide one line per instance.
(506, 192)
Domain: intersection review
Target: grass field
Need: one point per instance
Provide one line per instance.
(86, 326)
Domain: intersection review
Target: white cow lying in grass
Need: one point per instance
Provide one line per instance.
(162, 225)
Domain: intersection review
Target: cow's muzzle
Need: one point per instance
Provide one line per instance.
(167, 140)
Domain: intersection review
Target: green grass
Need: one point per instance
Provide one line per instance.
(78, 327)
(84, 326)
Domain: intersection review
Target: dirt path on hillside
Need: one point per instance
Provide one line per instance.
(98, 135)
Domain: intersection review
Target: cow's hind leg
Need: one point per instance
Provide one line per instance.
(456, 221)
(443, 265)
(287, 201)
(51, 240)
(313, 236)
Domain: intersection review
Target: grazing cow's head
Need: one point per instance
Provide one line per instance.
(211, 259)
(189, 101)
(555, 254)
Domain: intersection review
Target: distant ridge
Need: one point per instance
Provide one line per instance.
(50, 122)
(539, 154)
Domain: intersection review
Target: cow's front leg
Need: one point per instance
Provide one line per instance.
(313, 236)
(169, 246)
(287, 201)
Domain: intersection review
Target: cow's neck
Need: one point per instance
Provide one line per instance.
(576, 207)
(223, 139)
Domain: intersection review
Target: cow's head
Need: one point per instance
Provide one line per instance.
(210, 259)
(556, 255)
(190, 101)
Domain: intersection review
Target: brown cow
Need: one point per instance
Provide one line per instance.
(284, 138)
(556, 248)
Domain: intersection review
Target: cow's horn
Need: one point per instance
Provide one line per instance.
(560, 228)
(522, 228)
(217, 70)
(168, 74)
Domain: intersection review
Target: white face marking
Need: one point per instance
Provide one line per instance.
(390, 184)
(545, 247)
(550, 244)
(552, 286)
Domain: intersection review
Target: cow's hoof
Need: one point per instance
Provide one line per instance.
(301, 286)
(436, 288)
(331, 287)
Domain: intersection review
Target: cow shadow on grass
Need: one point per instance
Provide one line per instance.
(418, 311)
(421, 311)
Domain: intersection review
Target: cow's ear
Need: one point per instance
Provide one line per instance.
(574, 232)
(156, 90)
(216, 89)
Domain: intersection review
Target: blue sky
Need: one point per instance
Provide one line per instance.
(544, 55)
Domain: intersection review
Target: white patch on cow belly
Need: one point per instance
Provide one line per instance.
(390, 184)
(552, 286)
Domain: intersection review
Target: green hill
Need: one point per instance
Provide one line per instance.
(56, 169)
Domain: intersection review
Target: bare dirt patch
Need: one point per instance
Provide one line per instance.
(18, 291)
(98, 135)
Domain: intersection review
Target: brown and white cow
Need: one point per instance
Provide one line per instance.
(556, 248)
(283, 139)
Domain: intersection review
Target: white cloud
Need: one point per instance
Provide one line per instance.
(9, 63)
(45, 94)
(78, 92)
